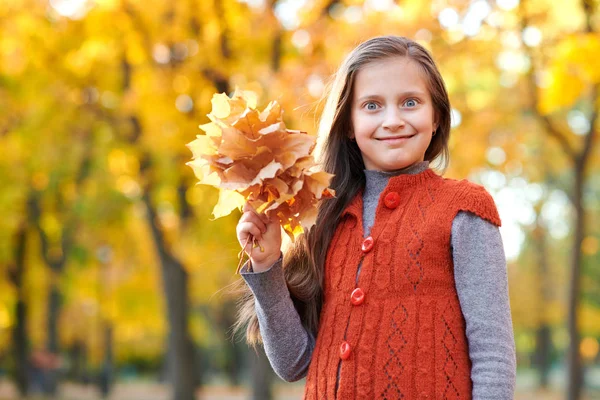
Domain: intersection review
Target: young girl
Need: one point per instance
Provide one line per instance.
(400, 289)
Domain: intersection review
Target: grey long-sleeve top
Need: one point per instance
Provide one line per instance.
(481, 283)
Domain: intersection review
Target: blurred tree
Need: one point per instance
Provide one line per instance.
(262, 375)
(571, 68)
(20, 338)
(56, 246)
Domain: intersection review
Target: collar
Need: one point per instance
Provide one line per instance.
(398, 183)
(412, 169)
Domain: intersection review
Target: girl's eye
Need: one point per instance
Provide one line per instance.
(410, 103)
(371, 106)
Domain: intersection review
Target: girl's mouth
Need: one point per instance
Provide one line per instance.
(396, 139)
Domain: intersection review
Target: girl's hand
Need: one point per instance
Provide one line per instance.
(266, 232)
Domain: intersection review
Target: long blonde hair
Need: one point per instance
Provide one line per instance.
(304, 261)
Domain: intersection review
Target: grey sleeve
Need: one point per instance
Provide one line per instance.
(288, 345)
(482, 286)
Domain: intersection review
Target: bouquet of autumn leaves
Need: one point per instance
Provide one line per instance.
(251, 157)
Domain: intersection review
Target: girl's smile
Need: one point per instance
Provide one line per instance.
(396, 139)
(392, 114)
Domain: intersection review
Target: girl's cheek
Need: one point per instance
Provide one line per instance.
(423, 121)
(372, 118)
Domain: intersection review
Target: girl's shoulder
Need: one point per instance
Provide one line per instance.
(463, 186)
(465, 195)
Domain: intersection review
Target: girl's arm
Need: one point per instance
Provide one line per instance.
(288, 345)
(482, 286)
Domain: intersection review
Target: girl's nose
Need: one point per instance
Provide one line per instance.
(393, 120)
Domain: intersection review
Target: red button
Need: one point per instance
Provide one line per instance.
(357, 297)
(345, 350)
(391, 200)
(367, 244)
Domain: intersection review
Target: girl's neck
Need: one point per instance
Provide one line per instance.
(376, 181)
(410, 170)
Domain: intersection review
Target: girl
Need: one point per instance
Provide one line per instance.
(400, 289)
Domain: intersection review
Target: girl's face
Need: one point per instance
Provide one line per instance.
(392, 114)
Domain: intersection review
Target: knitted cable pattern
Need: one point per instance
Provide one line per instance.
(407, 338)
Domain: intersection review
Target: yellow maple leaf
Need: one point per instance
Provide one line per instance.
(229, 200)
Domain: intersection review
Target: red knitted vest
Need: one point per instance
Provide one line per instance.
(403, 332)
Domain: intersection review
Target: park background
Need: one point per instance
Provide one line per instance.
(110, 264)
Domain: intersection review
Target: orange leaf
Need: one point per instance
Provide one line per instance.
(252, 157)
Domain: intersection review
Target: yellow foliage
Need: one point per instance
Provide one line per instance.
(5, 320)
(40, 180)
(589, 245)
(589, 348)
(108, 5)
(562, 15)
(589, 320)
(200, 331)
(574, 67)
(65, 77)
(194, 195)
(92, 52)
(51, 226)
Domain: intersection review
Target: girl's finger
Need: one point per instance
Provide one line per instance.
(248, 228)
(249, 208)
(264, 218)
(255, 219)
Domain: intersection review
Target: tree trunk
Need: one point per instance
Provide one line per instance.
(20, 336)
(52, 346)
(19, 333)
(20, 348)
(234, 361)
(78, 362)
(180, 345)
(175, 283)
(542, 353)
(168, 360)
(234, 350)
(543, 337)
(107, 373)
(262, 375)
(575, 372)
(54, 303)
